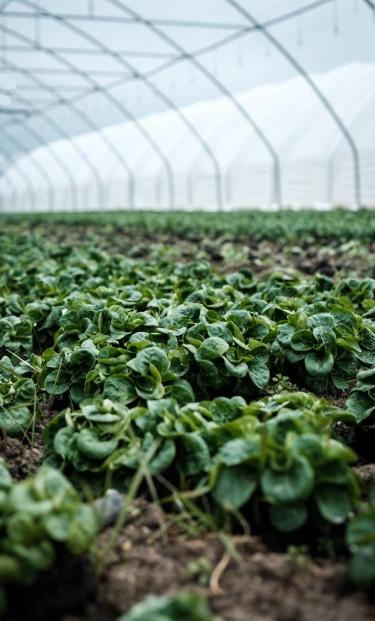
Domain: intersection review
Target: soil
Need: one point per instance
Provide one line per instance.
(21, 459)
(260, 585)
(330, 257)
(251, 583)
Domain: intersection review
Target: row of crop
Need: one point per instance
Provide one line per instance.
(274, 459)
(168, 368)
(282, 224)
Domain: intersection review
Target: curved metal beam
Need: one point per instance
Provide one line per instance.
(220, 86)
(81, 115)
(37, 166)
(119, 105)
(15, 164)
(156, 90)
(94, 85)
(336, 118)
(243, 31)
(55, 155)
(201, 51)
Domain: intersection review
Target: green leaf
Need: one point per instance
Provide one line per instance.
(182, 391)
(24, 391)
(57, 525)
(57, 382)
(119, 388)
(5, 478)
(334, 503)
(235, 485)
(290, 485)
(183, 607)
(361, 530)
(62, 439)
(90, 444)
(302, 340)
(239, 450)
(193, 456)
(212, 348)
(319, 364)
(259, 372)
(82, 359)
(236, 370)
(150, 357)
(163, 458)
(15, 420)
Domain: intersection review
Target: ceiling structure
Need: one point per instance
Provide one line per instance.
(78, 66)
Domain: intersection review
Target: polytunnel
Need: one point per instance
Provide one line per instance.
(114, 105)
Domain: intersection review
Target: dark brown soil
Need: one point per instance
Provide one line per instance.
(21, 458)
(330, 257)
(258, 586)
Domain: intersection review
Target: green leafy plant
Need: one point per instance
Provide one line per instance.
(328, 345)
(360, 538)
(279, 448)
(37, 517)
(186, 606)
(17, 399)
(361, 400)
(134, 359)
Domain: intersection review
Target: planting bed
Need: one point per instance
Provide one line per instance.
(220, 376)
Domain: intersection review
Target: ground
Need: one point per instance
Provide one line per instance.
(243, 577)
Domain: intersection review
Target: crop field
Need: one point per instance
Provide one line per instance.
(187, 416)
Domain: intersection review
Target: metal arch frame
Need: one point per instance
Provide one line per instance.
(174, 59)
(33, 132)
(156, 90)
(199, 52)
(81, 115)
(96, 87)
(218, 44)
(37, 166)
(120, 106)
(24, 178)
(222, 89)
(127, 20)
(330, 109)
(123, 109)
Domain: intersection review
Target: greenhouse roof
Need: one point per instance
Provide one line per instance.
(75, 68)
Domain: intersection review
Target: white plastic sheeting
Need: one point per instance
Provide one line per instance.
(316, 164)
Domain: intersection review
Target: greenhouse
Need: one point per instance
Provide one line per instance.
(187, 310)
